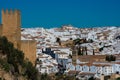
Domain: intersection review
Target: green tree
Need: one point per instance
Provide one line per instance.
(101, 49)
(77, 41)
(45, 77)
(118, 78)
(113, 58)
(58, 40)
(91, 78)
(6, 66)
(110, 58)
(80, 51)
(31, 72)
(4, 41)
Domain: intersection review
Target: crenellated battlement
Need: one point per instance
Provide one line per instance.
(10, 12)
(11, 20)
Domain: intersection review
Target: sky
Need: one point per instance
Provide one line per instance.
(55, 13)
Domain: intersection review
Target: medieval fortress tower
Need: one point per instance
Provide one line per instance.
(11, 28)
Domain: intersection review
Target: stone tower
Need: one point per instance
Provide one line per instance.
(11, 26)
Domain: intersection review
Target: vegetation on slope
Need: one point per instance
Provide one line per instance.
(12, 60)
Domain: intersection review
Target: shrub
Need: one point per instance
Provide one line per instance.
(110, 58)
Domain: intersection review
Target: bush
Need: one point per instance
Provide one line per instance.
(91, 78)
(118, 78)
(4, 65)
(101, 49)
(110, 58)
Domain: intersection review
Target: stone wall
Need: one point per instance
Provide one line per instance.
(29, 48)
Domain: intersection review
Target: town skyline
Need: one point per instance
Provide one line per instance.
(83, 13)
(58, 53)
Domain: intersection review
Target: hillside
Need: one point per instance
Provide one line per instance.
(13, 66)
